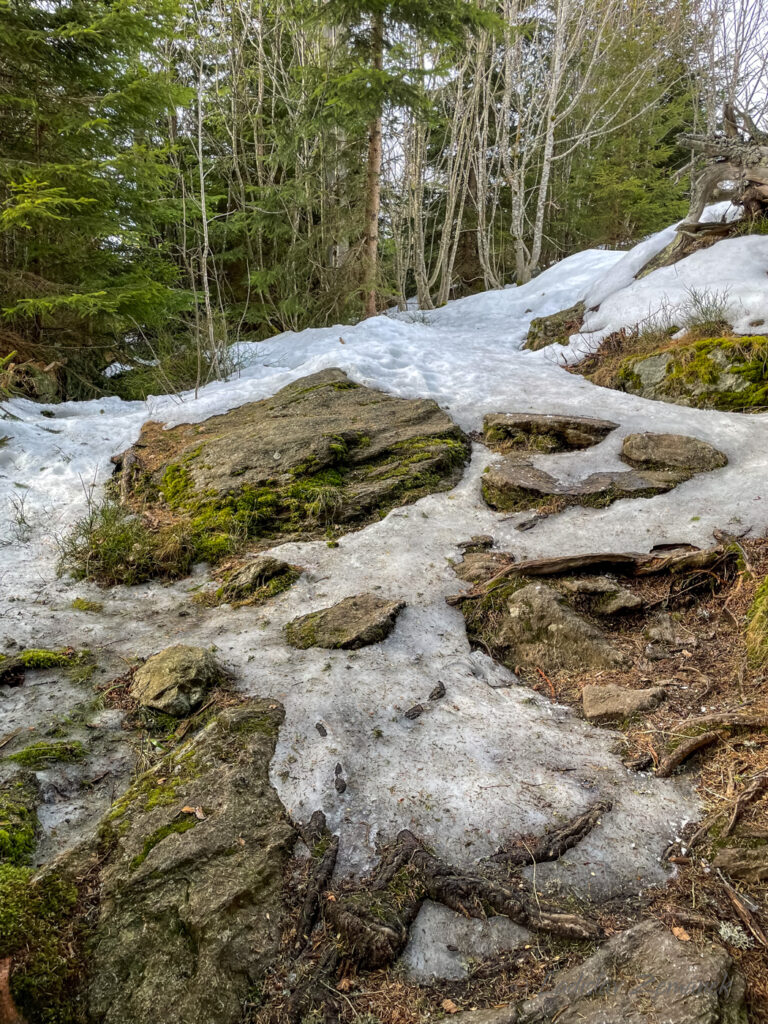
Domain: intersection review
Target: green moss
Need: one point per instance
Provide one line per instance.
(39, 756)
(757, 627)
(39, 658)
(694, 373)
(36, 931)
(18, 823)
(174, 828)
(80, 604)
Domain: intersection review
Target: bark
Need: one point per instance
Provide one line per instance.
(373, 182)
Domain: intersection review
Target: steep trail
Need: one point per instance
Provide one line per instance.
(492, 759)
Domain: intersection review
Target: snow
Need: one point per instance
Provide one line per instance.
(492, 759)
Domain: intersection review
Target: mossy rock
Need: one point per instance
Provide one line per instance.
(727, 373)
(352, 623)
(19, 797)
(556, 328)
(545, 433)
(256, 581)
(322, 454)
(193, 855)
(176, 681)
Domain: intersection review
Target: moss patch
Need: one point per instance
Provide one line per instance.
(36, 931)
(18, 823)
(40, 658)
(80, 604)
(39, 756)
(174, 828)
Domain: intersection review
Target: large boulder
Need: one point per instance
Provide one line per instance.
(176, 680)
(352, 623)
(321, 452)
(540, 630)
(191, 908)
(643, 976)
(543, 432)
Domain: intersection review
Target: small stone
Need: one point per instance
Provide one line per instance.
(438, 692)
(242, 582)
(606, 596)
(176, 680)
(352, 623)
(673, 451)
(611, 703)
(340, 784)
(415, 711)
(321, 728)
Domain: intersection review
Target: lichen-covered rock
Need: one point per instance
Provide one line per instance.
(716, 373)
(546, 433)
(611, 703)
(540, 630)
(191, 905)
(176, 680)
(556, 328)
(671, 451)
(641, 976)
(352, 623)
(257, 580)
(323, 452)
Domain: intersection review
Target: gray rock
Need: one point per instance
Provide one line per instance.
(540, 630)
(671, 451)
(176, 680)
(322, 451)
(642, 976)
(651, 372)
(191, 906)
(352, 623)
(547, 433)
(613, 703)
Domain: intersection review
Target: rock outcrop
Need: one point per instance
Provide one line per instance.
(191, 903)
(176, 680)
(352, 623)
(642, 976)
(540, 630)
(323, 452)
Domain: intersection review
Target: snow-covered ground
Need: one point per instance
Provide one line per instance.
(492, 759)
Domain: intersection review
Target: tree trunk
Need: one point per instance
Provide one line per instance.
(373, 182)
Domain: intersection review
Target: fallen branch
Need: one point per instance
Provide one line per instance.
(553, 844)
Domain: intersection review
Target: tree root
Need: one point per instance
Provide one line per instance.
(684, 751)
(365, 925)
(553, 844)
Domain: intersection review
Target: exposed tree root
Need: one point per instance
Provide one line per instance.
(556, 842)
(684, 751)
(365, 925)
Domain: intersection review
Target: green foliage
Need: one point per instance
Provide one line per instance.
(757, 628)
(18, 823)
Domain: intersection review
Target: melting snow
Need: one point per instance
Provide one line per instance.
(491, 759)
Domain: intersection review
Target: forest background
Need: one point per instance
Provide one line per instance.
(180, 175)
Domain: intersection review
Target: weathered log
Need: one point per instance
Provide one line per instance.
(554, 843)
